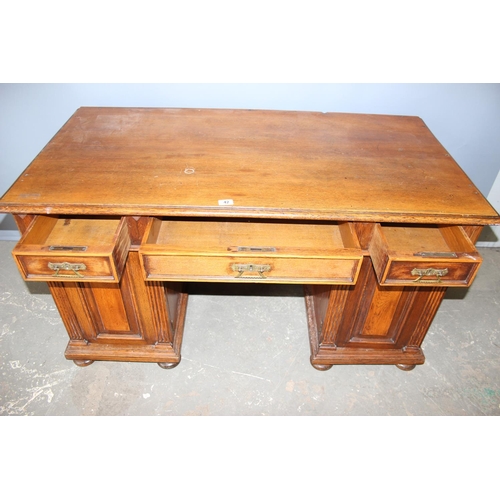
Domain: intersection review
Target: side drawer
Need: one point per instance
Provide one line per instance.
(73, 249)
(423, 255)
(229, 251)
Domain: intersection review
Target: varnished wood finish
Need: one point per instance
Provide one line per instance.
(100, 246)
(397, 251)
(136, 229)
(23, 221)
(370, 324)
(132, 321)
(342, 201)
(276, 164)
(207, 250)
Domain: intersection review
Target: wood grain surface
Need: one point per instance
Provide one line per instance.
(233, 163)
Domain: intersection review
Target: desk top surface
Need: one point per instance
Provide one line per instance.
(232, 163)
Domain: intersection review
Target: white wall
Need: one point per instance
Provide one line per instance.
(464, 117)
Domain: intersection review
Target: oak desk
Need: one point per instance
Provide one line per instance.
(125, 206)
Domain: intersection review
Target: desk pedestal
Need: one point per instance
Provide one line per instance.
(369, 324)
(130, 321)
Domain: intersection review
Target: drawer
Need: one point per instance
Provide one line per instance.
(423, 255)
(234, 251)
(73, 249)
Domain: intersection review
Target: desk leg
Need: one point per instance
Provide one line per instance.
(130, 321)
(369, 324)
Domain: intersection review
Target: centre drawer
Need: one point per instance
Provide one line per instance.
(423, 255)
(73, 249)
(249, 251)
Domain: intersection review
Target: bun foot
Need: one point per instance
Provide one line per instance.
(406, 368)
(83, 362)
(321, 368)
(168, 366)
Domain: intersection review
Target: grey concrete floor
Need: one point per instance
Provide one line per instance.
(246, 352)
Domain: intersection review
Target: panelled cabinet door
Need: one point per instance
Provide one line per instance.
(129, 321)
(369, 323)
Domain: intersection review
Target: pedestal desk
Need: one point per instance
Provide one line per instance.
(125, 207)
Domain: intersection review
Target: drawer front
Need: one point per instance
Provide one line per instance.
(66, 268)
(225, 269)
(430, 273)
(423, 256)
(73, 249)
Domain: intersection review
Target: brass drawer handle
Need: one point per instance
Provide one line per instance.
(251, 268)
(429, 272)
(67, 266)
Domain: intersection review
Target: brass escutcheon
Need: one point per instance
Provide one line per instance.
(252, 249)
(437, 255)
(66, 248)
